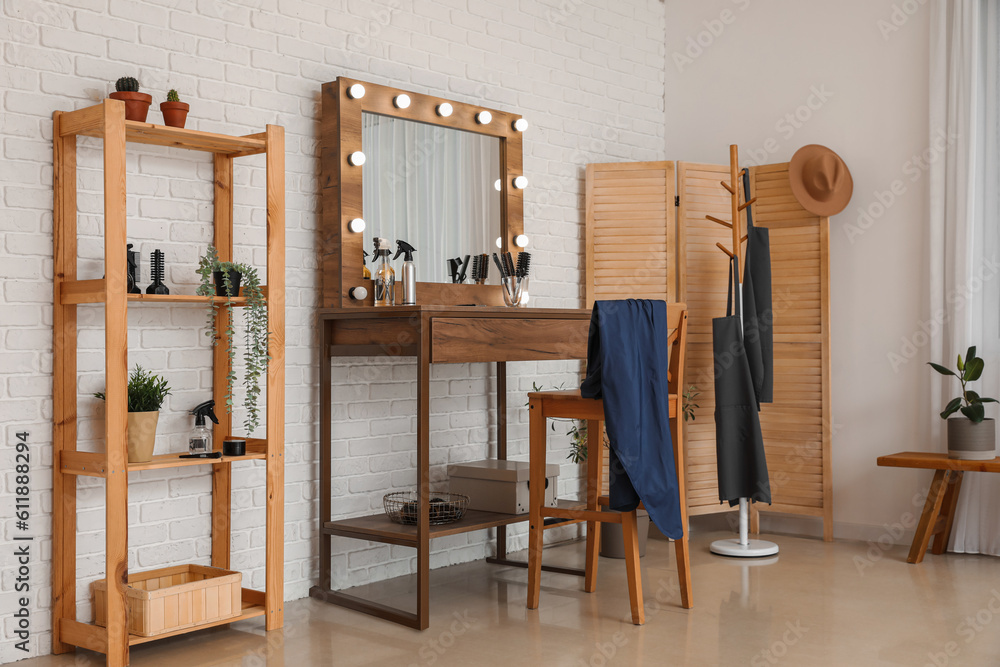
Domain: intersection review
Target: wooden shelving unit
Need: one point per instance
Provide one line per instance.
(107, 120)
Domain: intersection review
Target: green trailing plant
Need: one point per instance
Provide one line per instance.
(127, 84)
(688, 403)
(172, 96)
(146, 391)
(971, 404)
(255, 356)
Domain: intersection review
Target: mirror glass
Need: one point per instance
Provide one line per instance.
(433, 187)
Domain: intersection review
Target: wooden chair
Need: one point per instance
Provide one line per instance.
(569, 404)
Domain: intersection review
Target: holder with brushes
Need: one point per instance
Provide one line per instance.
(513, 276)
(156, 273)
(480, 268)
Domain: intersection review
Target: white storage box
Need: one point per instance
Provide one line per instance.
(500, 486)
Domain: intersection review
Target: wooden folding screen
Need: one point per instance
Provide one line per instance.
(630, 235)
(630, 231)
(623, 206)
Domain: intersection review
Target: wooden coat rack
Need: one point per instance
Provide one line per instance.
(743, 547)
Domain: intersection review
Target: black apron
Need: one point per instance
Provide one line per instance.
(758, 315)
(739, 446)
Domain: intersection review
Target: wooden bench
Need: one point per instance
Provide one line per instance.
(943, 495)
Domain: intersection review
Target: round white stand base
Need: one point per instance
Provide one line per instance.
(753, 549)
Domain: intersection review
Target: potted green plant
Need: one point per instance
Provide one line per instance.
(146, 393)
(136, 103)
(972, 436)
(223, 279)
(174, 111)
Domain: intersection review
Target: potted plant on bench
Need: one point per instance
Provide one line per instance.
(972, 436)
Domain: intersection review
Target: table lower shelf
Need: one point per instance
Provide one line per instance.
(379, 528)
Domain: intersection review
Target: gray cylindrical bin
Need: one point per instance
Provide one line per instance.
(612, 541)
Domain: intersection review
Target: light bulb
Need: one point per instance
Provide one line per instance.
(521, 241)
(520, 125)
(499, 243)
(358, 293)
(357, 225)
(356, 91)
(401, 101)
(357, 158)
(521, 182)
(444, 109)
(498, 185)
(484, 118)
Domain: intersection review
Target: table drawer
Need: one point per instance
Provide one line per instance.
(472, 339)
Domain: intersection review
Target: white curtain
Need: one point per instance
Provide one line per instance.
(432, 187)
(964, 243)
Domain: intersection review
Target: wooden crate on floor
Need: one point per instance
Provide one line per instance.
(174, 598)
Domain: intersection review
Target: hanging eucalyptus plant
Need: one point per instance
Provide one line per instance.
(255, 355)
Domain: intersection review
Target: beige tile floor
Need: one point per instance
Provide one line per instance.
(819, 604)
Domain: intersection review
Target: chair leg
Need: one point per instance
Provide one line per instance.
(684, 570)
(536, 498)
(593, 554)
(630, 535)
(595, 464)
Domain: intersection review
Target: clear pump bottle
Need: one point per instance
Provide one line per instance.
(384, 277)
(200, 441)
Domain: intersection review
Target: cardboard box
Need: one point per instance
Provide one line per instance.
(500, 486)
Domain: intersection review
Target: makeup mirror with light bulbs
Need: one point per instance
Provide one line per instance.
(353, 172)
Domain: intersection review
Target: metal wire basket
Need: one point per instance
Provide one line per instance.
(402, 507)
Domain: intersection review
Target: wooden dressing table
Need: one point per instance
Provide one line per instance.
(443, 328)
(433, 335)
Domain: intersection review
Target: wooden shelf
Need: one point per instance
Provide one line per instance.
(94, 291)
(107, 120)
(250, 610)
(89, 122)
(91, 636)
(92, 464)
(379, 528)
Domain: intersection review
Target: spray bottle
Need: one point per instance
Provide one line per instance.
(384, 276)
(409, 272)
(200, 441)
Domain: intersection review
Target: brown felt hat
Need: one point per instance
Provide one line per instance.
(820, 180)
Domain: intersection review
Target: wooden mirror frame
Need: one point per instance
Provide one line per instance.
(341, 187)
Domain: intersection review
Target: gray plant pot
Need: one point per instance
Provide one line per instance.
(971, 441)
(612, 541)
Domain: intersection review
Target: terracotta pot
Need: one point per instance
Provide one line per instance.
(174, 113)
(136, 104)
(141, 436)
(970, 441)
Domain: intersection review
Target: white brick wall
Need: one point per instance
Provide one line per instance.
(588, 75)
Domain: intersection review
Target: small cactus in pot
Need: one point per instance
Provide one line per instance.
(136, 103)
(174, 111)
